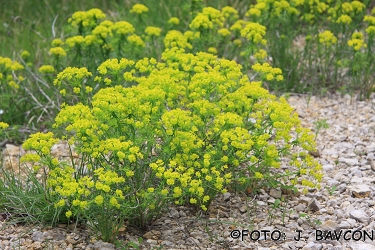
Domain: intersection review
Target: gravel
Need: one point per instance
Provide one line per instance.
(338, 216)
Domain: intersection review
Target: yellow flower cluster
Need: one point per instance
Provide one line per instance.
(174, 21)
(254, 32)
(207, 19)
(268, 72)
(344, 19)
(139, 9)
(230, 13)
(214, 15)
(238, 25)
(224, 32)
(86, 18)
(327, 38)
(73, 75)
(114, 66)
(201, 21)
(123, 28)
(136, 40)
(260, 55)
(357, 41)
(175, 38)
(357, 6)
(371, 30)
(25, 54)
(278, 8)
(3, 125)
(153, 31)
(75, 41)
(103, 30)
(7, 69)
(369, 19)
(57, 42)
(212, 50)
(57, 51)
(41, 142)
(6, 64)
(256, 10)
(46, 69)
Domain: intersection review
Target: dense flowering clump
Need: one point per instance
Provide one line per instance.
(192, 127)
(178, 114)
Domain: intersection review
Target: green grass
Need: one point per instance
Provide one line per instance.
(31, 25)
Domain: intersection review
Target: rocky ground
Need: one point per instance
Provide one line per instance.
(343, 207)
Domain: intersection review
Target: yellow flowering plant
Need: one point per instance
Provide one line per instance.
(191, 128)
(158, 116)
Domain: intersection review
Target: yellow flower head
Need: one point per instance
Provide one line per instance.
(260, 54)
(253, 12)
(3, 125)
(175, 38)
(344, 19)
(102, 31)
(73, 75)
(369, 19)
(238, 25)
(357, 41)
(58, 51)
(46, 69)
(347, 8)
(224, 32)
(371, 30)
(86, 18)
(123, 28)
(68, 214)
(174, 21)
(136, 40)
(254, 32)
(139, 9)
(212, 50)
(25, 54)
(153, 31)
(75, 41)
(327, 38)
(201, 21)
(57, 42)
(357, 6)
(229, 12)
